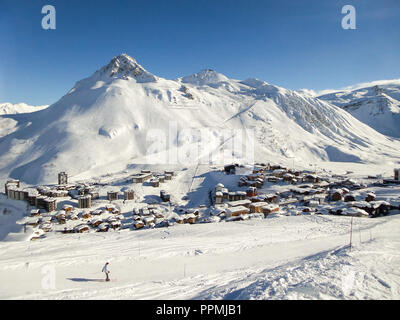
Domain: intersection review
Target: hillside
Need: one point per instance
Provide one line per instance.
(377, 106)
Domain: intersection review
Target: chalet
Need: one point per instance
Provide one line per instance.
(380, 207)
(158, 214)
(110, 208)
(46, 227)
(116, 225)
(218, 197)
(257, 207)
(370, 197)
(169, 172)
(311, 178)
(397, 174)
(155, 182)
(230, 169)
(349, 198)
(178, 219)
(147, 220)
(35, 212)
(219, 187)
(68, 230)
(279, 172)
(270, 198)
(190, 218)
(269, 209)
(103, 227)
(236, 211)
(37, 235)
(96, 222)
(96, 212)
(288, 177)
(129, 195)
(251, 191)
(168, 176)
(165, 197)
(61, 218)
(161, 178)
(72, 215)
(112, 195)
(81, 228)
(94, 195)
(142, 177)
(336, 195)
(138, 224)
(85, 201)
(33, 222)
(245, 203)
(225, 194)
(86, 215)
(68, 208)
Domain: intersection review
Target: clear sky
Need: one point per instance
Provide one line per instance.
(294, 44)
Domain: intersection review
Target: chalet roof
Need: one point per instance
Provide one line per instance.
(237, 209)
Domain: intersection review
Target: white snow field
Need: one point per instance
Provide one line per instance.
(299, 257)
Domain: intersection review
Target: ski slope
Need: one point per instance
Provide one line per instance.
(301, 257)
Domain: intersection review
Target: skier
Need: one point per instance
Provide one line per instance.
(105, 270)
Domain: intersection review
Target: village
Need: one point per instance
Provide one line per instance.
(252, 192)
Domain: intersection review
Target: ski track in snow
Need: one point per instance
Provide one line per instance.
(304, 257)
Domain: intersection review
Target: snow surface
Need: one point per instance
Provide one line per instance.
(296, 257)
(377, 106)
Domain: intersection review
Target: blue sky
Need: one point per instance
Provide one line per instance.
(294, 44)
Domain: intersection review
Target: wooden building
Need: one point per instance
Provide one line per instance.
(112, 195)
(129, 195)
(11, 183)
(269, 209)
(257, 207)
(84, 202)
(62, 178)
(155, 182)
(236, 211)
(218, 197)
(142, 177)
(397, 174)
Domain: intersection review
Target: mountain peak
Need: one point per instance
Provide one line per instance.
(124, 66)
(205, 77)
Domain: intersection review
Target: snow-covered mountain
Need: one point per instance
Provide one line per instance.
(377, 105)
(8, 125)
(9, 108)
(116, 116)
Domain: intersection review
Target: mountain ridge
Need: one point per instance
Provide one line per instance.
(119, 115)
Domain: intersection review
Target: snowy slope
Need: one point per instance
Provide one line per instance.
(8, 125)
(9, 108)
(377, 106)
(114, 117)
(300, 257)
